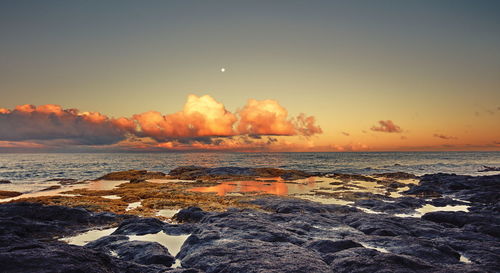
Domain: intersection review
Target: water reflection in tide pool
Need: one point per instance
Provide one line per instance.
(274, 186)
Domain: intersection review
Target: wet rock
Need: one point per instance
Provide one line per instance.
(387, 225)
(396, 205)
(139, 226)
(65, 181)
(281, 205)
(251, 256)
(391, 184)
(489, 169)
(328, 246)
(8, 194)
(190, 215)
(460, 218)
(132, 174)
(352, 177)
(55, 187)
(27, 244)
(137, 180)
(396, 175)
(35, 220)
(362, 260)
(480, 189)
(135, 251)
(25, 255)
(195, 173)
(4, 181)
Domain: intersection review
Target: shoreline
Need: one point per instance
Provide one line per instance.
(391, 221)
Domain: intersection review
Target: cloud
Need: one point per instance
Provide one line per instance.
(201, 116)
(306, 126)
(50, 122)
(387, 126)
(268, 117)
(203, 122)
(444, 136)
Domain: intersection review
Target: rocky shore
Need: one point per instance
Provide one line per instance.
(259, 232)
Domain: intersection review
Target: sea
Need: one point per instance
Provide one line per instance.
(32, 170)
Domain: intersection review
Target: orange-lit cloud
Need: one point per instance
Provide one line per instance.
(201, 116)
(51, 122)
(268, 117)
(203, 123)
(387, 126)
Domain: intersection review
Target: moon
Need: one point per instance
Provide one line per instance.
(223, 70)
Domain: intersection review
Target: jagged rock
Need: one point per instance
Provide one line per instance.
(190, 215)
(132, 174)
(396, 175)
(195, 173)
(139, 226)
(134, 251)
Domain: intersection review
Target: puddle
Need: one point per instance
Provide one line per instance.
(169, 213)
(325, 200)
(464, 259)
(326, 190)
(368, 210)
(171, 242)
(379, 249)
(177, 264)
(102, 185)
(133, 205)
(276, 188)
(89, 236)
(430, 208)
(111, 197)
(91, 185)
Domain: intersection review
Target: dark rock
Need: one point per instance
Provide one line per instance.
(26, 255)
(328, 246)
(190, 215)
(137, 180)
(252, 256)
(361, 260)
(30, 219)
(132, 174)
(352, 177)
(460, 218)
(9, 194)
(55, 187)
(4, 181)
(489, 169)
(195, 173)
(139, 226)
(135, 251)
(396, 205)
(65, 181)
(396, 175)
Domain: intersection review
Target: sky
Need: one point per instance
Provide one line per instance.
(298, 75)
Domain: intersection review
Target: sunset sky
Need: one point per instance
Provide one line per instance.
(299, 75)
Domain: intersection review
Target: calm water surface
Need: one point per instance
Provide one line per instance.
(34, 169)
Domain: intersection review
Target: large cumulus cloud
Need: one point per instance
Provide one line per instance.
(203, 120)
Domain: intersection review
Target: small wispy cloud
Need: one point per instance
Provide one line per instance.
(387, 126)
(441, 136)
